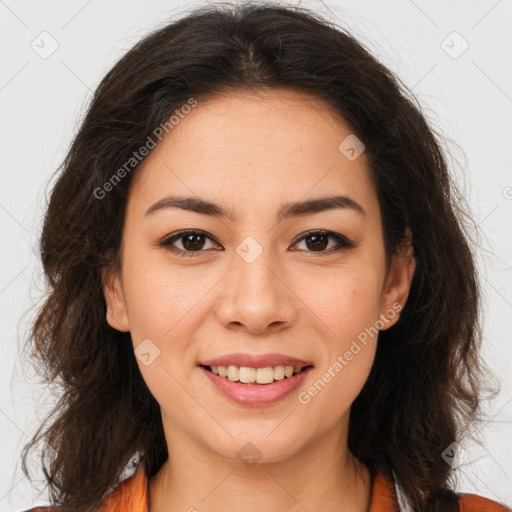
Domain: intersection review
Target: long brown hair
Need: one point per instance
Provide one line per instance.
(423, 391)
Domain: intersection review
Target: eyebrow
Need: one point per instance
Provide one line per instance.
(288, 210)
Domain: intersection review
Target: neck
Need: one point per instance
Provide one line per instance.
(319, 478)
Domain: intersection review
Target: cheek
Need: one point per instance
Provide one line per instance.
(348, 309)
(348, 351)
(161, 300)
(346, 303)
(161, 310)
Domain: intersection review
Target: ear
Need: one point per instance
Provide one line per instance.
(117, 316)
(398, 282)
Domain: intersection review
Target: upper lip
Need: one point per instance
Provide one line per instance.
(255, 361)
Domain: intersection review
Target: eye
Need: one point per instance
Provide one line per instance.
(193, 242)
(318, 241)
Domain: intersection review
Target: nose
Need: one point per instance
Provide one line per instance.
(256, 296)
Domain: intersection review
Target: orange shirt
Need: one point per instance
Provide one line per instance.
(131, 496)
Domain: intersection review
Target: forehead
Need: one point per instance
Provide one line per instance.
(255, 146)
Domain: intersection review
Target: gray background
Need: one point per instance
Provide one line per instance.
(465, 92)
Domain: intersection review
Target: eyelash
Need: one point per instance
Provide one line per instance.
(342, 241)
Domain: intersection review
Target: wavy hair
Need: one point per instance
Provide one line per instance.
(424, 389)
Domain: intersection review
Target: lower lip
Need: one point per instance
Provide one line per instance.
(256, 394)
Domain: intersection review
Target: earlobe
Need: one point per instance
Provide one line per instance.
(116, 315)
(398, 282)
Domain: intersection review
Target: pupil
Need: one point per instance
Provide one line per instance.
(316, 243)
(192, 245)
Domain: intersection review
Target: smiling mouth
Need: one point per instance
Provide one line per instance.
(248, 375)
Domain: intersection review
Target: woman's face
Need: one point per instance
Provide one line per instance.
(254, 282)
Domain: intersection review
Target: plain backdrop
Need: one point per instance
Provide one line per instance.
(454, 56)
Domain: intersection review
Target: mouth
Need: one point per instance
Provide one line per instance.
(257, 375)
(256, 387)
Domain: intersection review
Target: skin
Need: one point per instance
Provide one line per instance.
(238, 150)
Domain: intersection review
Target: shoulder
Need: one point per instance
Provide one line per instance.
(386, 496)
(475, 503)
(130, 495)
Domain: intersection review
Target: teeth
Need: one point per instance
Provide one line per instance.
(248, 375)
(279, 372)
(233, 373)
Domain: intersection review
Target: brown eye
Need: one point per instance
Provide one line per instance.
(318, 241)
(191, 242)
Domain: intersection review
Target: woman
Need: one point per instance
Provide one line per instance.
(261, 293)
